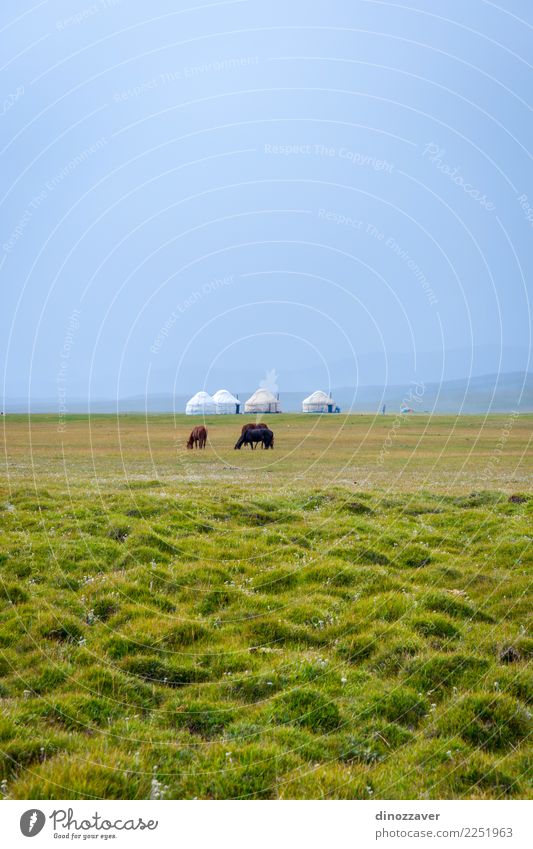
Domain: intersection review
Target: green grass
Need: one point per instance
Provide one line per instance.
(303, 623)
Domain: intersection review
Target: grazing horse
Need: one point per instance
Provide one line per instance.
(250, 437)
(198, 437)
(252, 427)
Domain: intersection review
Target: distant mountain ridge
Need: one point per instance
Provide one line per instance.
(295, 371)
(496, 393)
(367, 369)
(485, 393)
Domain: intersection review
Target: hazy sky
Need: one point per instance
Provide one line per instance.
(259, 185)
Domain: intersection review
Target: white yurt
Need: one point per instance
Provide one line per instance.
(201, 404)
(226, 403)
(318, 402)
(262, 401)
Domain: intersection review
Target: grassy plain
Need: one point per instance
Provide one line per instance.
(344, 617)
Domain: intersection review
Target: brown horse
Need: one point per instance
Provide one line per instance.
(256, 434)
(252, 427)
(198, 437)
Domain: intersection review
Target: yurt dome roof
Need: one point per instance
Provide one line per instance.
(225, 397)
(200, 403)
(201, 398)
(262, 401)
(318, 397)
(262, 396)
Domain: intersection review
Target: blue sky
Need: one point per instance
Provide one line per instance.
(246, 186)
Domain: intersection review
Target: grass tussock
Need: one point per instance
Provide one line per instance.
(261, 637)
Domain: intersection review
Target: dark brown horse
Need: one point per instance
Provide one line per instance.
(251, 426)
(254, 435)
(198, 437)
